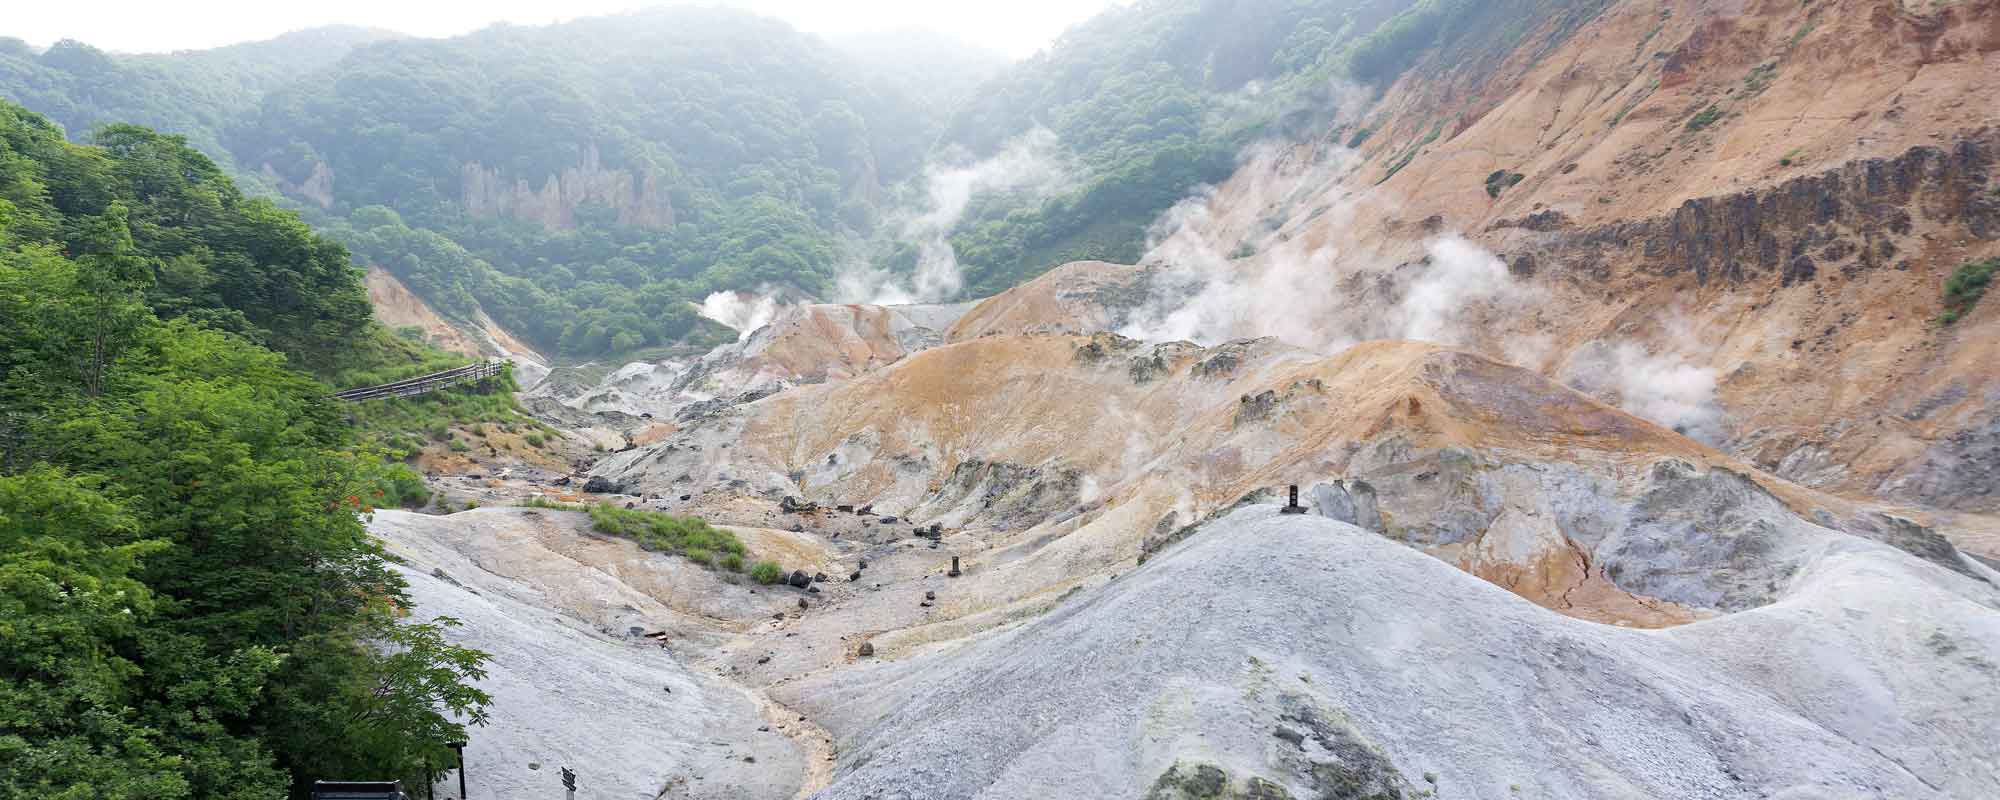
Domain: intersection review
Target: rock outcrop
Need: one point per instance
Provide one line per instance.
(636, 195)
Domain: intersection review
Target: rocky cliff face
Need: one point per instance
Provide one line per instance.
(1749, 207)
(1859, 217)
(638, 197)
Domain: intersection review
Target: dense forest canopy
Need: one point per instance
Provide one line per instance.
(191, 606)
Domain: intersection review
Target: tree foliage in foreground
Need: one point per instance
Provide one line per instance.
(190, 606)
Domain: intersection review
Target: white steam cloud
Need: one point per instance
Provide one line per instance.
(1658, 383)
(1250, 259)
(1032, 163)
(743, 311)
(1227, 271)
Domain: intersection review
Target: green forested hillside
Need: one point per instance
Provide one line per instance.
(189, 605)
(1155, 98)
(767, 148)
(579, 182)
(194, 94)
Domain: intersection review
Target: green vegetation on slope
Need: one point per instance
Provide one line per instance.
(192, 607)
(193, 94)
(1154, 99)
(1965, 286)
(1158, 98)
(690, 537)
(687, 536)
(767, 149)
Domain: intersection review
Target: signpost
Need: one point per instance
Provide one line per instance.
(569, 782)
(460, 747)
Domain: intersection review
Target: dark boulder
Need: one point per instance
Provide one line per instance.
(799, 579)
(793, 505)
(598, 484)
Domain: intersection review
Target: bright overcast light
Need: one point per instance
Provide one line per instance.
(1013, 27)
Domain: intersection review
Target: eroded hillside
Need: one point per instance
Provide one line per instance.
(1636, 457)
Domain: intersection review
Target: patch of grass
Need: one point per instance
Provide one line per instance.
(543, 502)
(689, 537)
(1501, 180)
(1637, 98)
(1411, 154)
(767, 572)
(398, 486)
(1965, 286)
(1759, 78)
(1707, 117)
(1360, 137)
(1790, 158)
(459, 447)
(1804, 31)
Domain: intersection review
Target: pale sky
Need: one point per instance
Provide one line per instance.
(1015, 28)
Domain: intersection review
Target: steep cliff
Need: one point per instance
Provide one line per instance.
(636, 196)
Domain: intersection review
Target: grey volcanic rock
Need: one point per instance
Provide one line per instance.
(632, 718)
(1305, 654)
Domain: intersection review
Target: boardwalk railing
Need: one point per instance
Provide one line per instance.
(426, 383)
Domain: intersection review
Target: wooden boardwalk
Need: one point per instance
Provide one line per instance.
(426, 383)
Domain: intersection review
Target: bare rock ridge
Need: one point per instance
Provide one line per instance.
(1859, 216)
(805, 344)
(636, 195)
(1533, 486)
(1278, 656)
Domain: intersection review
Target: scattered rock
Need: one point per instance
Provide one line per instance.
(867, 649)
(803, 605)
(598, 484)
(799, 579)
(793, 505)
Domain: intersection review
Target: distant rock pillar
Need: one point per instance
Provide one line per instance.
(954, 568)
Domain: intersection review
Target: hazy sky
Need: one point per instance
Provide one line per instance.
(1013, 27)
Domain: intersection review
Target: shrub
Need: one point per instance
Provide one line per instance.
(403, 487)
(459, 447)
(689, 537)
(733, 562)
(767, 572)
(1965, 286)
(535, 440)
(1707, 117)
